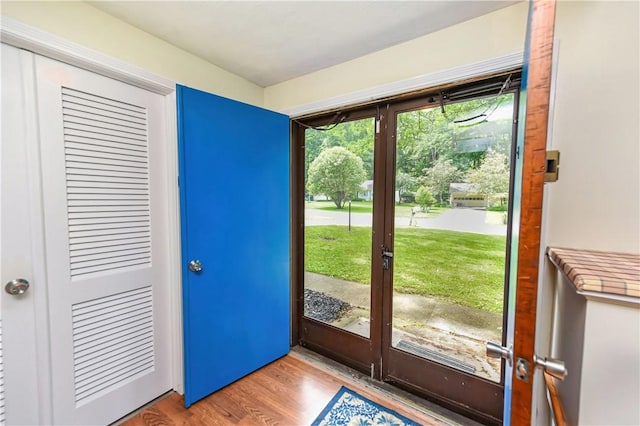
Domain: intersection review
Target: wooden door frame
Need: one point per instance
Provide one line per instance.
(538, 75)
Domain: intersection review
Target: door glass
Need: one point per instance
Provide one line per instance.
(338, 224)
(452, 189)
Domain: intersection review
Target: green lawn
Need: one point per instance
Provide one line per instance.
(459, 267)
(367, 207)
(356, 206)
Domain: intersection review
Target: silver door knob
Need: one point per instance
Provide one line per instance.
(553, 366)
(495, 350)
(195, 266)
(17, 287)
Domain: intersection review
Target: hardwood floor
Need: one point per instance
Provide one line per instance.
(290, 391)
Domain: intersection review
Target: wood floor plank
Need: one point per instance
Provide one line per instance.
(289, 391)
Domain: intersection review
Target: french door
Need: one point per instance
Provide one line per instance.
(404, 212)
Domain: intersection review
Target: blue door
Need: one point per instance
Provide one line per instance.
(234, 202)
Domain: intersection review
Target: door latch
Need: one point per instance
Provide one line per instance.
(554, 367)
(552, 166)
(387, 255)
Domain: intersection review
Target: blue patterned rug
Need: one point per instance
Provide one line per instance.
(350, 408)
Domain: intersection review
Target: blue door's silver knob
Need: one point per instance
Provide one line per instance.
(195, 266)
(17, 287)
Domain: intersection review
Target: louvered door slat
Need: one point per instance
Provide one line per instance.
(95, 308)
(78, 186)
(108, 249)
(73, 125)
(91, 100)
(106, 220)
(116, 127)
(129, 157)
(98, 198)
(83, 320)
(101, 118)
(112, 321)
(101, 344)
(103, 357)
(105, 111)
(108, 226)
(98, 175)
(106, 368)
(106, 145)
(92, 163)
(125, 242)
(92, 137)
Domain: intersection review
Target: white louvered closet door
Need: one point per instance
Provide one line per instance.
(105, 217)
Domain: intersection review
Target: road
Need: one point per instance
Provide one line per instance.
(462, 220)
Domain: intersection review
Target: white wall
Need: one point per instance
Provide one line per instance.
(596, 202)
(84, 24)
(496, 34)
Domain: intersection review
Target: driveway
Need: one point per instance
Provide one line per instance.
(460, 219)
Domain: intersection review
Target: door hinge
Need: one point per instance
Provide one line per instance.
(378, 125)
(372, 369)
(552, 166)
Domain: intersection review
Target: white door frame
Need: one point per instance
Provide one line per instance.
(17, 34)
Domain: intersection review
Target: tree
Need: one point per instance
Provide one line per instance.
(492, 177)
(357, 136)
(424, 197)
(404, 183)
(439, 177)
(336, 173)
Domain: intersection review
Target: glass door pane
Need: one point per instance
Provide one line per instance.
(338, 224)
(450, 232)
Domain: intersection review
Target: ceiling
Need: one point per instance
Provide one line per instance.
(268, 42)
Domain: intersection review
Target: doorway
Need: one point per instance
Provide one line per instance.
(404, 222)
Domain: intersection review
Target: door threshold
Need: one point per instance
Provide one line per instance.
(388, 390)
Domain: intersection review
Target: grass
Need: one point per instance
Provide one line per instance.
(457, 267)
(402, 210)
(356, 206)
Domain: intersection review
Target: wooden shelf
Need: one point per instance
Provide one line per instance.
(597, 271)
